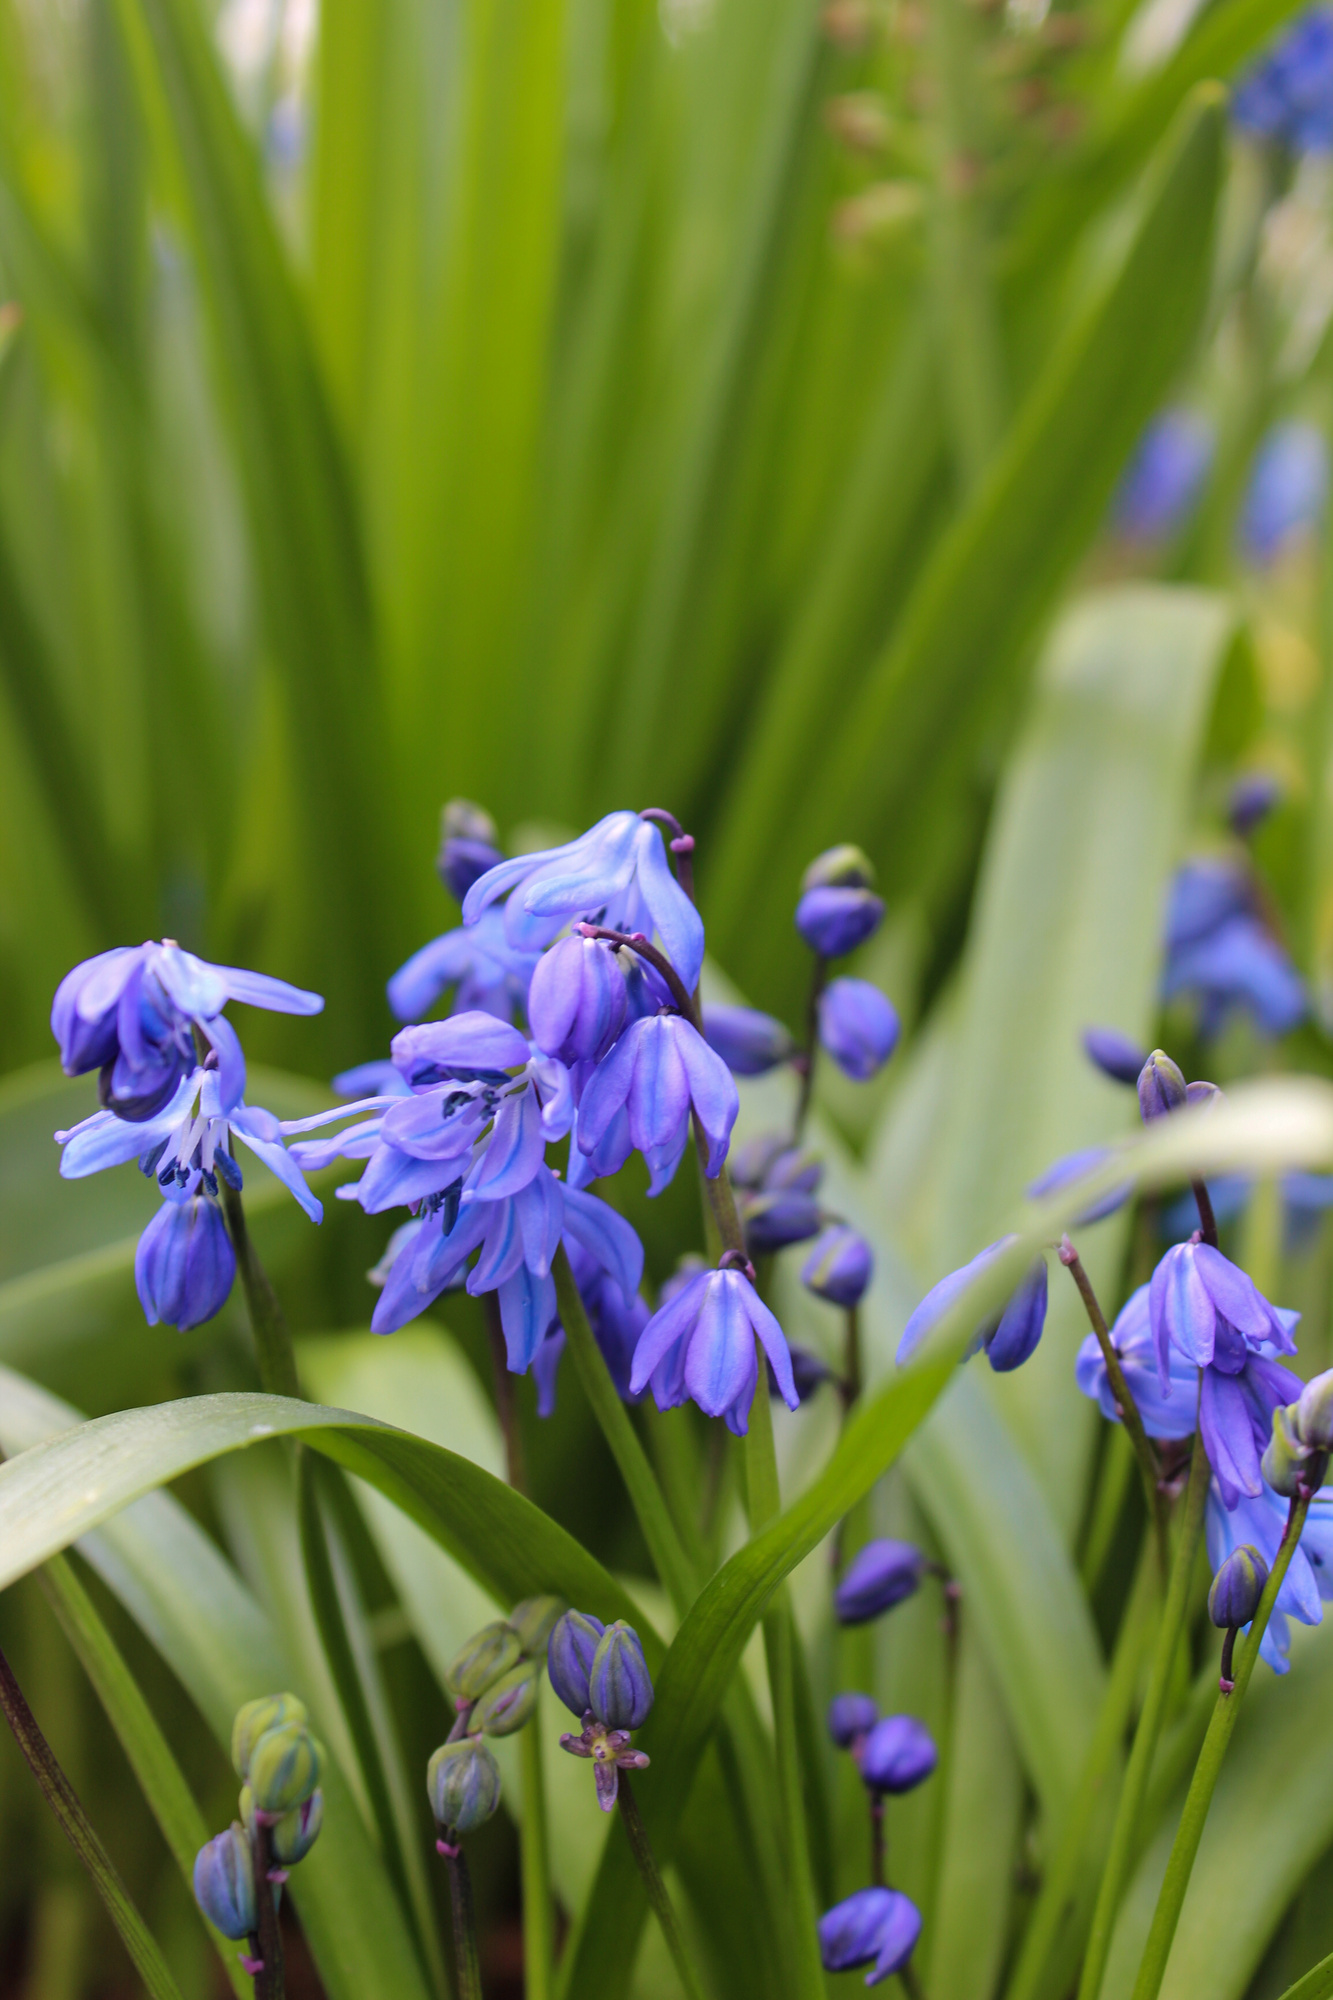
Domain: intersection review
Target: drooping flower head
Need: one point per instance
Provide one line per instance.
(659, 1072)
(898, 1755)
(184, 1266)
(1115, 1055)
(700, 1346)
(1009, 1338)
(1259, 1520)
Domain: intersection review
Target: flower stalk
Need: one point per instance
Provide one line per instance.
(266, 1946)
(662, 1906)
(463, 1912)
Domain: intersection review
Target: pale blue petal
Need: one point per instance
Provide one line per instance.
(257, 989)
(280, 1162)
(527, 1310)
(605, 1235)
(674, 917)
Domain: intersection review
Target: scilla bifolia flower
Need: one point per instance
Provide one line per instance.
(1260, 1522)
(839, 1267)
(463, 1786)
(1169, 1415)
(616, 874)
(283, 1770)
(507, 1703)
(577, 1000)
(700, 1346)
(749, 1043)
(1236, 1589)
(296, 1833)
(898, 1755)
(1114, 1054)
(851, 1717)
(224, 1883)
(1162, 1087)
(659, 1071)
(875, 1927)
(603, 1667)
(835, 916)
(184, 1266)
(486, 972)
(776, 1217)
(879, 1576)
(1008, 1339)
(858, 1026)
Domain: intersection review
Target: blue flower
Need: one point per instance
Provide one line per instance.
(875, 1927)
(1253, 798)
(616, 1319)
(1204, 1309)
(1163, 479)
(1114, 1054)
(834, 918)
(1259, 1519)
(700, 1345)
(616, 874)
(775, 1217)
(898, 1755)
(749, 1043)
(1288, 489)
(1288, 95)
(188, 1142)
(131, 1012)
(489, 975)
(659, 1070)
(879, 1576)
(851, 1716)
(577, 1000)
(858, 1027)
(1011, 1337)
(184, 1265)
(1070, 1168)
(1238, 965)
(840, 1267)
(224, 1883)
(1169, 1415)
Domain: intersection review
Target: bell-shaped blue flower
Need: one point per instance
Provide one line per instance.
(839, 1267)
(749, 1043)
(850, 1717)
(224, 1883)
(858, 1026)
(184, 1266)
(1260, 1520)
(1163, 479)
(1169, 1415)
(1116, 1055)
(1238, 965)
(700, 1345)
(875, 1927)
(879, 1576)
(620, 1688)
(616, 874)
(131, 1012)
(489, 976)
(570, 1652)
(659, 1071)
(1008, 1339)
(835, 919)
(469, 846)
(577, 1000)
(898, 1755)
(617, 1320)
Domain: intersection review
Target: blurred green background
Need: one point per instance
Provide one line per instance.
(572, 404)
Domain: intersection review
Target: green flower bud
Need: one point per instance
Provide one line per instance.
(508, 1702)
(1283, 1462)
(487, 1654)
(463, 1784)
(295, 1835)
(254, 1718)
(533, 1620)
(285, 1765)
(844, 867)
(1314, 1413)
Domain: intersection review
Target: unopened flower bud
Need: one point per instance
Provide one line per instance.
(834, 921)
(1285, 1457)
(620, 1688)
(879, 1576)
(285, 1765)
(570, 1652)
(858, 1026)
(468, 846)
(1253, 797)
(577, 1000)
(795, 1167)
(224, 1883)
(1203, 1092)
(507, 1703)
(749, 1165)
(844, 867)
(850, 1716)
(533, 1620)
(1314, 1413)
(1161, 1086)
(294, 1836)
(897, 1755)
(1114, 1054)
(749, 1043)
(487, 1654)
(1237, 1587)
(839, 1267)
(463, 1784)
(774, 1219)
(266, 1712)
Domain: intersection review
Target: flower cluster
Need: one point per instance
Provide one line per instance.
(600, 1674)
(171, 1079)
(494, 1681)
(1221, 953)
(1288, 96)
(281, 1812)
(877, 1926)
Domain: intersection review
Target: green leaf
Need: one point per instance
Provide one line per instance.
(1316, 1985)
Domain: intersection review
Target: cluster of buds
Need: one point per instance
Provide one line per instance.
(281, 1810)
(893, 1753)
(494, 1681)
(1296, 1459)
(601, 1676)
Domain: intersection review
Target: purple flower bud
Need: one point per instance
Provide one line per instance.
(184, 1265)
(808, 1372)
(570, 1652)
(1114, 1054)
(858, 1026)
(576, 1003)
(224, 1883)
(795, 1168)
(844, 867)
(879, 1576)
(469, 846)
(1237, 1587)
(1071, 1168)
(620, 1688)
(840, 1267)
(750, 1164)
(1253, 797)
(897, 1755)
(749, 1043)
(774, 1219)
(463, 1784)
(875, 1924)
(1161, 1086)
(1162, 480)
(1288, 490)
(850, 1716)
(835, 921)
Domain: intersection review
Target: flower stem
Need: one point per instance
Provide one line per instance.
(1171, 1897)
(765, 1504)
(467, 1967)
(1203, 1201)
(535, 1865)
(1124, 1396)
(672, 1564)
(877, 1840)
(1125, 1832)
(273, 1342)
(663, 1908)
(805, 1064)
(849, 1389)
(269, 1979)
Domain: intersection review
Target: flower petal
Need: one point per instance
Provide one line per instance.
(605, 1235)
